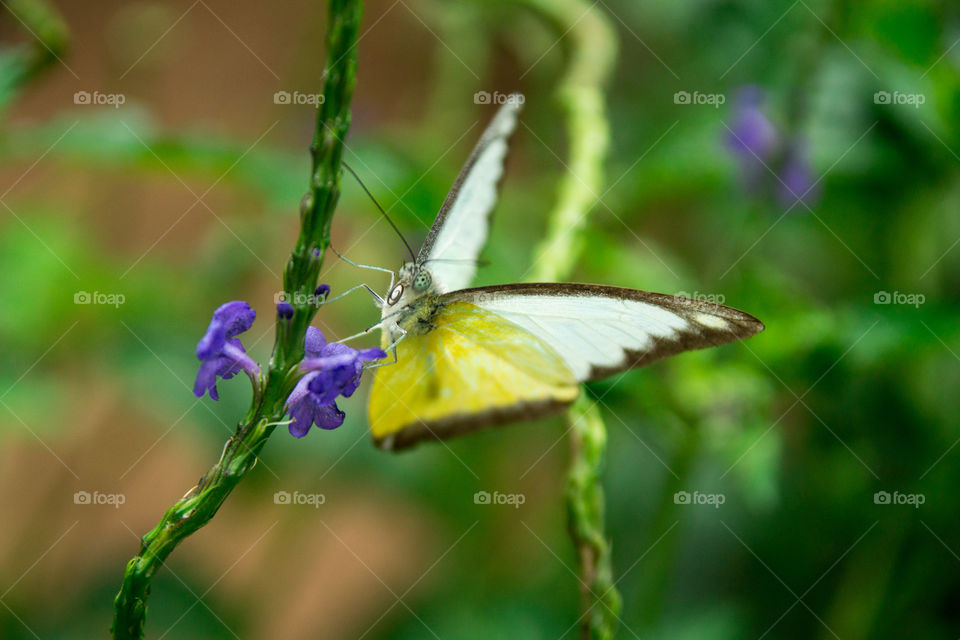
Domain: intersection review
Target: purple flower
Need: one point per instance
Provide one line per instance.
(331, 370)
(221, 353)
(796, 177)
(767, 160)
(752, 134)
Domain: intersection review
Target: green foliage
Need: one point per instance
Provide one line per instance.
(877, 382)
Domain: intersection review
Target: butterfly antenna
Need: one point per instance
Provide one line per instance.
(377, 204)
(478, 262)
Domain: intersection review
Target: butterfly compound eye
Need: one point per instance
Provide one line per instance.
(422, 281)
(394, 296)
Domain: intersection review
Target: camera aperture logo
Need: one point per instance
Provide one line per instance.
(488, 297)
(485, 497)
(298, 97)
(897, 97)
(912, 299)
(697, 296)
(98, 297)
(297, 498)
(712, 499)
(97, 498)
(97, 98)
(299, 299)
(697, 98)
(485, 97)
(912, 499)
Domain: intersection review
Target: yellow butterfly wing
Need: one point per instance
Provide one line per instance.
(474, 369)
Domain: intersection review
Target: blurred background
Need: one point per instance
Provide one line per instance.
(799, 485)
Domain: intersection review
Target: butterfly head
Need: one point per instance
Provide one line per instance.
(414, 281)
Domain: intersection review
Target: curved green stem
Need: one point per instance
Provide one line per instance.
(241, 452)
(592, 53)
(189, 514)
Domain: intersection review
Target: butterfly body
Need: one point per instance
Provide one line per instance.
(416, 318)
(410, 305)
(468, 358)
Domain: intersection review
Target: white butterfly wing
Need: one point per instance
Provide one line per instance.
(460, 230)
(600, 330)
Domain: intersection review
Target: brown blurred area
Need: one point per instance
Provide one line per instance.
(187, 196)
(298, 573)
(209, 67)
(212, 66)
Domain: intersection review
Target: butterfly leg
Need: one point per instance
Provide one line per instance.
(366, 266)
(377, 326)
(376, 298)
(362, 333)
(392, 347)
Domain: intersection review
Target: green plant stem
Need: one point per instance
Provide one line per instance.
(241, 452)
(592, 51)
(585, 511)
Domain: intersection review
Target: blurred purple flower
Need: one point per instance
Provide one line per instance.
(752, 134)
(766, 160)
(221, 353)
(331, 370)
(796, 178)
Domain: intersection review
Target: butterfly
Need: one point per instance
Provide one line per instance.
(468, 358)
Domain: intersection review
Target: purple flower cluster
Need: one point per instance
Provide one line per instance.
(330, 369)
(765, 157)
(220, 351)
